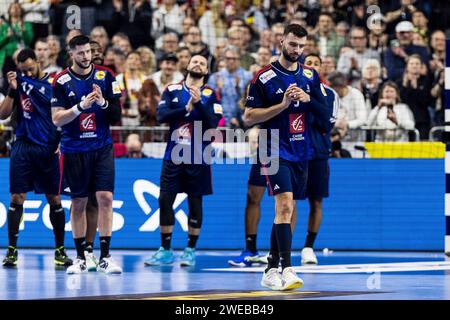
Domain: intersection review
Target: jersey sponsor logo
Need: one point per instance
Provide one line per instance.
(279, 91)
(64, 78)
(322, 88)
(207, 92)
(266, 76)
(27, 107)
(297, 123)
(116, 87)
(218, 108)
(173, 87)
(184, 133)
(308, 73)
(100, 75)
(87, 122)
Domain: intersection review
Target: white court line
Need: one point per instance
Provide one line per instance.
(355, 268)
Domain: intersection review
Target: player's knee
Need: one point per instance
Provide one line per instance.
(18, 198)
(254, 197)
(78, 206)
(166, 214)
(53, 199)
(104, 199)
(285, 209)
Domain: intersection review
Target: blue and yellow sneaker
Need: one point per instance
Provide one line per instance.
(11, 257)
(246, 259)
(161, 257)
(61, 258)
(188, 257)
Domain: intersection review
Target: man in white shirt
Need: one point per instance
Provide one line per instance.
(168, 73)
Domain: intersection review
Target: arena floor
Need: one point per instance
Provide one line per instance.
(340, 276)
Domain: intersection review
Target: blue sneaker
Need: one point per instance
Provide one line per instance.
(245, 259)
(188, 257)
(160, 257)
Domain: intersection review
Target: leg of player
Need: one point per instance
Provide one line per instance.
(78, 223)
(195, 224)
(164, 255)
(91, 230)
(15, 215)
(314, 221)
(105, 219)
(252, 216)
(58, 220)
(294, 217)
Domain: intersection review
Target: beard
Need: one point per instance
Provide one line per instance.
(98, 61)
(288, 57)
(195, 74)
(80, 64)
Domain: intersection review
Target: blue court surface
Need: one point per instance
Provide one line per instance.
(339, 276)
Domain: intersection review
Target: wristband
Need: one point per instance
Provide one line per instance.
(12, 92)
(105, 104)
(76, 109)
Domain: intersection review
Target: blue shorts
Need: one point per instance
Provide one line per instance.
(257, 178)
(33, 168)
(318, 179)
(291, 177)
(193, 179)
(88, 172)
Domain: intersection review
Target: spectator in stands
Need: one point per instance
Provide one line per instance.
(115, 60)
(148, 99)
(371, 82)
(329, 42)
(213, 24)
(169, 45)
(420, 22)
(328, 66)
(168, 18)
(352, 113)
(14, 33)
(391, 114)
(400, 11)
(36, 12)
(148, 60)
(100, 35)
(351, 62)
(133, 145)
(253, 17)
(262, 59)
(415, 91)
(378, 38)
(130, 83)
(43, 53)
(326, 7)
(342, 29)
(183, 55)
(402, 47)
(187, 23)
(265, 39)
(438, 94)
(54, 46)
(437, 43)
(310, 46)
(195, 44)
(230, 83)
(123, 43)
(236, 39)
(168, 73)
(277, 35)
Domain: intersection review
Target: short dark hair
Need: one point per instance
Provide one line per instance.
(94, 42)
(44, 40)
(314, 55)
(79, 40)
(296, 29)
(26, 54)
(337, 79)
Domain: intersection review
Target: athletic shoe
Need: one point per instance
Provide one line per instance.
(245, 259)
(188, 257)
(160, 257)
(11, 257)
(78, 266)
(108, 266)
(290, 279)
(308, 256)
(61, 258)
(91, 261)
(261, 259)
(272, 279)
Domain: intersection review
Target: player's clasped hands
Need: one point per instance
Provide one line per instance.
(294, 93)
(195, 94)
(95, 96)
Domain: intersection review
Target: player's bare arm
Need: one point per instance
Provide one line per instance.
(7, 105)
(62, 116)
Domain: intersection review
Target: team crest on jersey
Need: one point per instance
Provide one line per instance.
(266, 76)
(64, 78)
(207, 92)
(322, 88)
(173, 87)
(116, 87)
(27, 105)
(297, 123)
(100, 75)
(308, 73)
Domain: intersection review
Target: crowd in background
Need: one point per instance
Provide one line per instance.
(386, 62)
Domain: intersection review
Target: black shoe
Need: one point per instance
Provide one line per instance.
(11, 257)
(61, 258)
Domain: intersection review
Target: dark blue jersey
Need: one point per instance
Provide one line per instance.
(320, 132)
(172, 110)
(90, 130)
(267, 89)
(34, 116)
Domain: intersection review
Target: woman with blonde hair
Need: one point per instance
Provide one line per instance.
(393, 116)
(148, 60)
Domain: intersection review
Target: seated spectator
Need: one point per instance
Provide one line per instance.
(402, 47)
(230, 83)
(391, 114)
(130, 83)
(415, 91)
(133, 145)
(371, 82)
(352, 113)
(148, 60)
(168, 73)
(351, 62)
